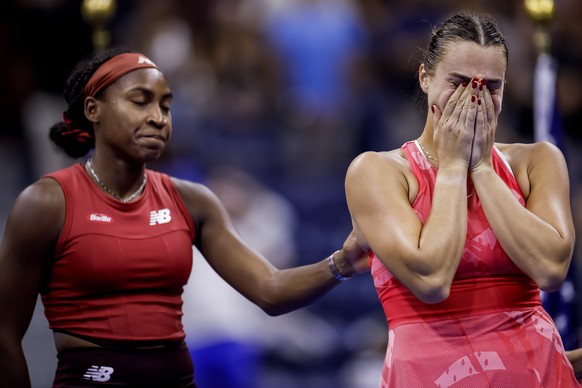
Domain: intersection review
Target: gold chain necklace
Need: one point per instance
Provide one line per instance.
(89, 167)
(429, 156)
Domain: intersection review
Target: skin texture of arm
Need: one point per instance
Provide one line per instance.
(423, 257)
(538, 238)
(276, 291)
(575, 358)
(380, 190)
(31, 233)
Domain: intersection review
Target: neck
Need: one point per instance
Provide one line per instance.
(427, 146)
(127, 195)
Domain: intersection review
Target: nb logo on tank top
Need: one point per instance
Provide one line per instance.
(143, 59)
(161, 216)
(98, 373)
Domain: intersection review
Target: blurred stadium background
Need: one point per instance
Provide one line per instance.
(285, 93)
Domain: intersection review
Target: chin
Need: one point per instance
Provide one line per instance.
(152, 155)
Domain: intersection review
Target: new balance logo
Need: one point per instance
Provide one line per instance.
(99, 217)
(143, 59)
(161, 216)
(98, 373)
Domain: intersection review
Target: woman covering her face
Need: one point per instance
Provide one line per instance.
(464, 232)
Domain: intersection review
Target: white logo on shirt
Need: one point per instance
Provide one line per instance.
(143, 59)
(161, 216)
(98, 373)
(99, 217)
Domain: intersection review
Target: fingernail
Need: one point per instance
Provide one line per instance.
(480, 87)
(479, 101)
(472, 98)
(482, 82)
(474, 84)
(432, 108)
(465, 84)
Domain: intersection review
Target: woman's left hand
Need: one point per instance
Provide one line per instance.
(485, 127)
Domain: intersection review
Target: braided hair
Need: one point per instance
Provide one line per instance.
(74, 133)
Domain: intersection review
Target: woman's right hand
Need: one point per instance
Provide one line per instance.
(485, 127)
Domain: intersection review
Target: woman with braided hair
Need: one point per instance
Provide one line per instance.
(108, 243)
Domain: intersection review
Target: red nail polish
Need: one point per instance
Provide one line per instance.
(482, 82)
(474, 84)
(465, 84)
(479, 101)
(472, 98)
(480, 87)
(432, 108)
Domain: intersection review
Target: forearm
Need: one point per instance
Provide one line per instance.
(443, 234)
(293, 288)
(13, 368)
(575, 358)
(424, 255)
(533, 244)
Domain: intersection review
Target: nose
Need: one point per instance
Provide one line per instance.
(157, 117)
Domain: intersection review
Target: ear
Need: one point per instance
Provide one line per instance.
(92, 109)
(423, 78)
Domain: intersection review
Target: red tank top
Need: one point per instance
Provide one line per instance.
(119, 268)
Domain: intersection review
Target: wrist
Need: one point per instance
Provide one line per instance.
(482, 171)
(335, 269)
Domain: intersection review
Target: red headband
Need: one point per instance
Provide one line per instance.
(115, 68)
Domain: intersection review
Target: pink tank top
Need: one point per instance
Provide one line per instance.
(492, 330)
(484, 266)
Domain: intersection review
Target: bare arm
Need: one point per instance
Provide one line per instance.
(276, 291)
(538, 238)
(575, 358)
(31, 232)
(424, 257)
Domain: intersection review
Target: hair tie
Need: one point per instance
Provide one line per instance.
(66, 119)
(81, 135)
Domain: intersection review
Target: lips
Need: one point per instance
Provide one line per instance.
(155, 137)
(153, 141)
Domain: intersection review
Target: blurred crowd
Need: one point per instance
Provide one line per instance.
(276, 97)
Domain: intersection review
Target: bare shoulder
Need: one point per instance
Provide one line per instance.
(518, 153)
(37, 216)
(44, 195)
(193, 192)
(372, 160)
(199, 199)
(381, 171)
(534, 161)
